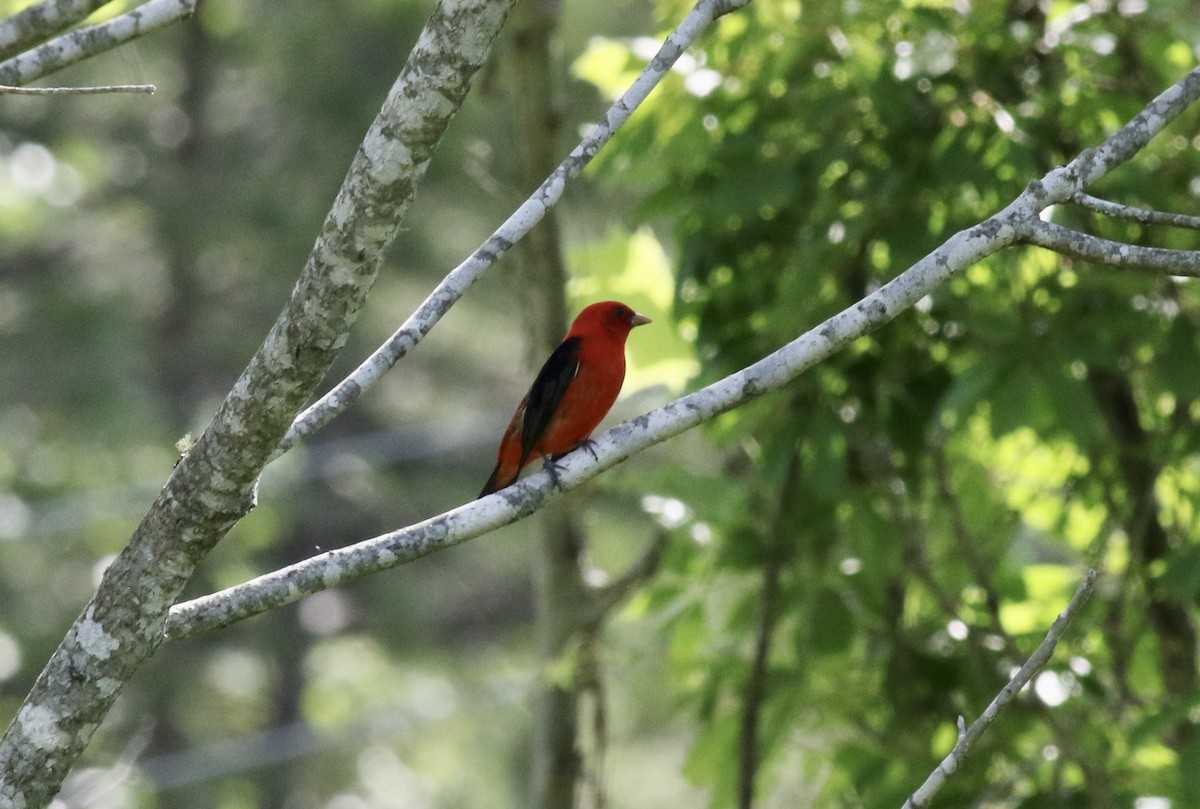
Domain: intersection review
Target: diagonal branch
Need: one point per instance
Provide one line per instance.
(1061, 184)
(1145, 216)
(967, 736)
(77, 45)
(40, 21)
(605, 598)
(466, 522)
(474, 519)
(213, 485)
(460, 279)
(1082, 246)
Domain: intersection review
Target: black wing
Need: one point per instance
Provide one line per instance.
(547, 393)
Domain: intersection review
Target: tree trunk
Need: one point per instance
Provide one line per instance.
(559, 589)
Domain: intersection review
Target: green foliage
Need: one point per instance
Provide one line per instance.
(930, 496)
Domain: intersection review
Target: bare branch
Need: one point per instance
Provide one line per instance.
(967, 736)
(54, 91)
(606, 597)
(1085, 247)
(1063, 183)
(456, 283)
(40, 21)
(1145, 216)
(85, 42)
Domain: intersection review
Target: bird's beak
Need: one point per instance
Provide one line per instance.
(639, 320)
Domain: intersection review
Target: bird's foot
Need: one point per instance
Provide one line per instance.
(550, 462)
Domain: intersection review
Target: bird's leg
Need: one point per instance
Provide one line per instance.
(550, 465)
(590, 446)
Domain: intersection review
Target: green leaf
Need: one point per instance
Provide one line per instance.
(708, 762)
(1181, 579)
(833, 623)
(1179, 358)
(1188, 769)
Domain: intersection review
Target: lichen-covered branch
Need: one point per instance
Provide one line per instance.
(78, 45)
(1083, 246)
(343, 565)
(41, 21)
(1092, 164)
(964, 248)
(456, 283)
(967, 736)
(213, 486)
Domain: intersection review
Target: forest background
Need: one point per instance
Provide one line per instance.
(834, 572)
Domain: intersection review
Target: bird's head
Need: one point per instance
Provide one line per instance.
(613, 317)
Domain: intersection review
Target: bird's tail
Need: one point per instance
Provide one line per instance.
(495, 483)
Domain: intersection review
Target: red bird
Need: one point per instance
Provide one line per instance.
(572, 393)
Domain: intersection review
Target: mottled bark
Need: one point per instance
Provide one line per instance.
(41, 21)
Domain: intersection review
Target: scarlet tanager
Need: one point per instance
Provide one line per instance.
(571, 394)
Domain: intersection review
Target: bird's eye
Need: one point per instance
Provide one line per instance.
(622, 312)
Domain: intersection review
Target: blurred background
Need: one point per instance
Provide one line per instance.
(845, 565)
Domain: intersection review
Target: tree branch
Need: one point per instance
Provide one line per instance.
(6, 89)
(460, 279)
(967, 736)
(213, 485)
(1085, 247)
(41, 20)
(605, 598)
(78, 45)
(466, 522)
(1061, 184)
(1143, 215)
(776, 554)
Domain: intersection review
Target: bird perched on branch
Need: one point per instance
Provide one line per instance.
(571, 394)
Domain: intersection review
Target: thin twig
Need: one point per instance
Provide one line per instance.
(1145, 216)
(6, 89)
(967, 736)
(605, 598)
(1085, 247)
